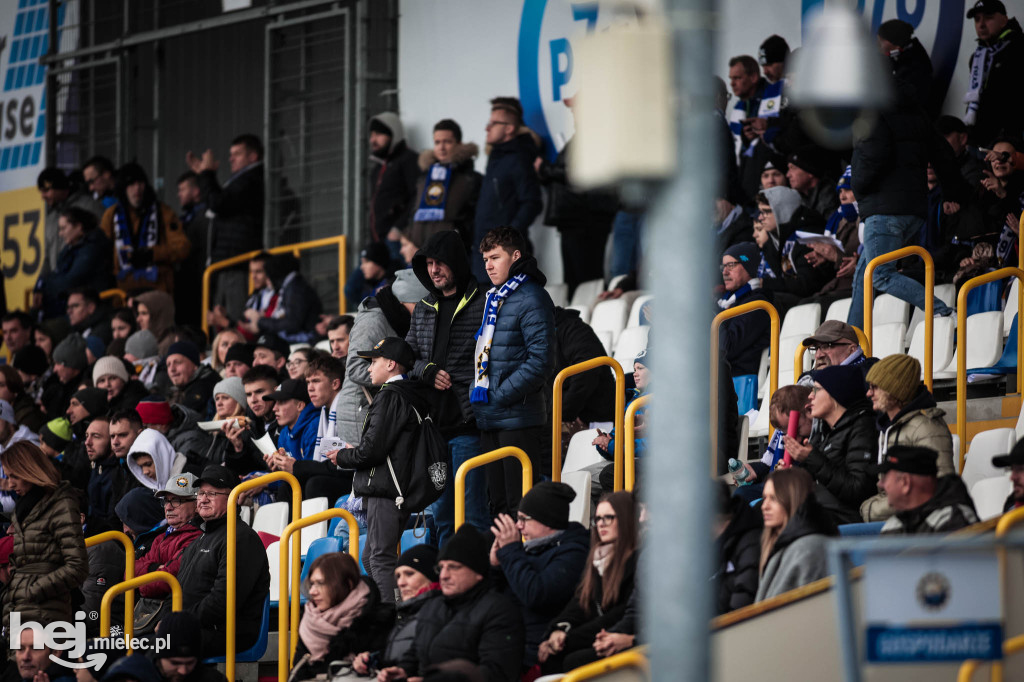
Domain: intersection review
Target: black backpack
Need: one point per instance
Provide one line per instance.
(429, 468)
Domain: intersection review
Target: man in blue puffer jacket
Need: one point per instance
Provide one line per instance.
(515, 355)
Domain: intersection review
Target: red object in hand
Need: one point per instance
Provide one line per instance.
(791, 431)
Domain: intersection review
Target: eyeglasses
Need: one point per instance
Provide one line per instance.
(603, 519)
(764, 211)
(523, 518)
(203, 494)
(296, 363)
(175, 502)
(815, 389)
(827, 346)
(726, 267)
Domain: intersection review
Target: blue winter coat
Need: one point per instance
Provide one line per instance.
(299, 439)
(85, 262)
(522, 356)
(543, 579)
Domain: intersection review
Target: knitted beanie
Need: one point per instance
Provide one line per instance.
(94, 400)
(185, 348)
(142, 344)
(844, 383)
(747, 254)
(96, 345)
(897, 375)
(548, 503)
(109, 365)
(56, 433)
(31, 360)
(233, 388)
(422, 558)
(470, 548)
(71, 352)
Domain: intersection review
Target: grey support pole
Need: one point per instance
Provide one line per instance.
(680, 272)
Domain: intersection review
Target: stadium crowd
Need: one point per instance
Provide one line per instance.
(131, 418)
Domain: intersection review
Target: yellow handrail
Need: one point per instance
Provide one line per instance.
(338, 240)
(129, 573)
(119, 294)
(556, 419)
(630, 658)
(961, 345)
(128, 586)
(773, 364)
(798, 364)
(229, 649)
(968, 667)
(929, 300)
(283, 656)
(630, 436)
(479, 461)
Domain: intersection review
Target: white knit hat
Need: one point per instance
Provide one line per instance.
(109, 365)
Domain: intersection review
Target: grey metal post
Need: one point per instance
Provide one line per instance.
(680, 273)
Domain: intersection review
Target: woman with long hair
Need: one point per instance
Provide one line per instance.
(607, 583)
(49, 560)
(221, 343)
(123, 323)
(795, 531)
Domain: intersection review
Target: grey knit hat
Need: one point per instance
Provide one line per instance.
(71, 352)
(142, 344)
(233, 388)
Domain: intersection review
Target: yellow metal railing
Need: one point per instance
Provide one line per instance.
(929, 300)
(479, 461)
(630, 658)
(284, 658)
(798, 357)
(259, 481)
(630, 435)
(338, 241)
(961, 345)
(127, 586)
(556, 420)
(773, 364)
(129, 573)
(1010, 647)
(119, 294)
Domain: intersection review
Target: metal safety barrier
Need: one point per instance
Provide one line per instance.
(556, 419)
(127, 586)
(773, 364)
(630, 435)
(129, 573)
(961, 345)
(232, 559)
(120, 295)
(630, 658)
(798, 357)
(968, 667)
(284, 658)
(296, 249)
(929, 300)
(479, 461)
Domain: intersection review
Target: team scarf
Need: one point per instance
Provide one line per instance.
(435, 194)
(125, 244)
(752, 285)
(326, 427)
(981, 64)
(485, 334)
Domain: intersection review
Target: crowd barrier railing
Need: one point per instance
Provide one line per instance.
(929, 300)
(970, 666)
(232, 559)
(629, 431)
(798, 357)
(634, 659)
(556, 419)
(118, 295)
(129, 572)
(127, 586)
(338, 241)
(961, 345)
(285, 656)
(482, 460)
(773, 364)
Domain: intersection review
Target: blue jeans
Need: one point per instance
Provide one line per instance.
(462, 448)
(626, 231)
(883, 234)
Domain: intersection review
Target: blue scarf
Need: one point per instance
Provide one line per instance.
(730, 301)
(485, 334)
(125, 243)
(435, 194)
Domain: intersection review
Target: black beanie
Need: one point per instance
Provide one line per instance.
(470, 548)
(422, 558)
(31, 360)
(845, 383)
(183, 634)
(94, 400)
(747, 254)
(548, 503)
(239, 352)
(896, 32)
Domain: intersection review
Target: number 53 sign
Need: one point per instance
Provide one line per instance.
(24, 241)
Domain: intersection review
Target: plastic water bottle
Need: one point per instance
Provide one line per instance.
(739, 472)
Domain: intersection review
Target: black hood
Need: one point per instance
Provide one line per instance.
(565, 316)
(527, 265)
(810, 519)
(744, 519)
(447, 247)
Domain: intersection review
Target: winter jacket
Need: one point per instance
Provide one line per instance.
(793, 274)
(187, 438)
(919, 423)
(460, 205)
(392, 181)
(203, 578)
(510, 194)
(569, 208)
(86, 262)
(452, 410)
(841, 463)
(106, 569)
(299, 439)
(49, 560)
(912, 72)
(522, 355)
(196, 393)
(798, 556)
(100, 490)
(949, 509)
(51, 240)
(542, 576)
(1001, 97)
(741, 339)
(27, 413)
(302, 308)
(132, 394)
(164, 554)
(367, 632)
(172, 246)
(403, 633)
(237, 207)
(480, 625)
(369, 327)
(589, 396)
(739, 556)
(389, 431)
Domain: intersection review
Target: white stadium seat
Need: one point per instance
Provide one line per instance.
(984, 343)
(985, 446)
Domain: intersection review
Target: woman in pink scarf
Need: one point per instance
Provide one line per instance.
(343, 616)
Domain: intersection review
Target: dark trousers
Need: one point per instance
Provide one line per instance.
(384, 525)
(583, 254)
(505, 477)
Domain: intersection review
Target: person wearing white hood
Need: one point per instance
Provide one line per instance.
(152, 458)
